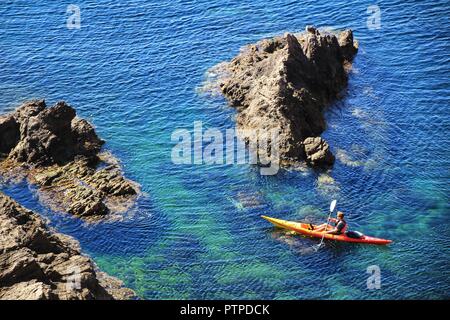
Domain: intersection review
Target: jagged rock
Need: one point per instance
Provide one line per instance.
(38, 263)
(85, 202)
(347, 44)
(285, 82)
(310, 29)
(86, 141)
(9, 133)
(82, 190)
(318, 152)
(52, 135)
(19, 265)
(60, 153)
(110, 181)
(31, 290)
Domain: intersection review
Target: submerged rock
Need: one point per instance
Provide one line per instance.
(60, 153)
(285, 83)
(38, 263)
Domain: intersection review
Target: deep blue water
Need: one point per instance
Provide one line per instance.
(134, 69)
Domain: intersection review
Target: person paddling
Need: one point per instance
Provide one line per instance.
(340, 225)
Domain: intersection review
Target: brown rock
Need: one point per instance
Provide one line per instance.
(52, 135)
(348, 45)
(318, 152)
(9, 134)
(38, 263)
(60, 153)
(285, 83)
(82, 190)
(31, 290)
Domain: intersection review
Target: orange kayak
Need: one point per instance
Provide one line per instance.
(308, 230)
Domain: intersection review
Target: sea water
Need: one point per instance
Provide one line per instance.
(137, 71)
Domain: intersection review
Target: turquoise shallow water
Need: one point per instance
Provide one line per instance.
(134, 70)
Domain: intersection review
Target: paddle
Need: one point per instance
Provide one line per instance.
(332, 206)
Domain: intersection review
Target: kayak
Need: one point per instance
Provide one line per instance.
(307, 229)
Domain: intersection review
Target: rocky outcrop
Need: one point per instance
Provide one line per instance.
(9, 133)
(284, 83)
(38, 263)
(61, 154)
(84, 190)
(347, 45)
(52, 135)
(318, 152)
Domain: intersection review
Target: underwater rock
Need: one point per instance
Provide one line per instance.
(60, 154)
(347, 160)
(39, 263)
(285, 82)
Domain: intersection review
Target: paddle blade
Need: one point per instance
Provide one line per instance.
(333, 205)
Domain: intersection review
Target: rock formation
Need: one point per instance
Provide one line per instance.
(317, 152)
(9, 133)
(38, 263)
(284, 83)
(48, 135)
(60, 153)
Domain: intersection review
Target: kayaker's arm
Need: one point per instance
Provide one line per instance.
(333, 231)
(338, 229)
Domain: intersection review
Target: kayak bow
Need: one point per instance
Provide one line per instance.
(305, 229)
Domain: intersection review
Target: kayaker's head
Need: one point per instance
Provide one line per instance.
(340, 215)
